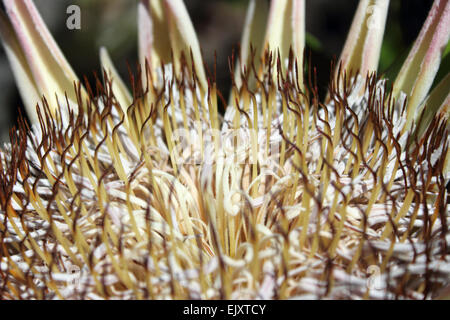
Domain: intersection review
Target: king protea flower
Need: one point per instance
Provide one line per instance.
(154, 194)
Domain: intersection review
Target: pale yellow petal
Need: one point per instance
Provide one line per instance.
(118, 87)
(184, 39)
(252, 37)
(51, 72)
(437, 102)
(417, 73)
(362, 48)
(154, 41)
(286, 30)
(21, 71)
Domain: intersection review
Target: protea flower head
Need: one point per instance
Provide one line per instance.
(152, 193)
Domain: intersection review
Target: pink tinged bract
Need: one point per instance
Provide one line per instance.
(22, 73)
(153, 40)
(417, 73)
(362, 48)
(51, 73)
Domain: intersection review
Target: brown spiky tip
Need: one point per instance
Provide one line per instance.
(280, 197)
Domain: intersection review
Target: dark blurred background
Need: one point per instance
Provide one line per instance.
(112, 23)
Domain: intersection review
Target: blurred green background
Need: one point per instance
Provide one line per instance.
(112, 23)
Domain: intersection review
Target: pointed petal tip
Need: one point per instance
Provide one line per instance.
(21, 71)
(362, 47)
(48, 67)
(183, 38)
(286, 30)
(421, 66)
